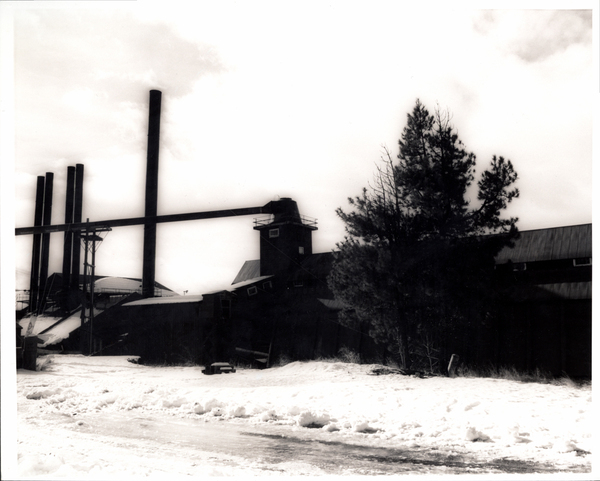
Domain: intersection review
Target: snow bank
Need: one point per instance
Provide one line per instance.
(337, 401)
(309, 419)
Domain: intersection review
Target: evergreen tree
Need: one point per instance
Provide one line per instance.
(417, 258)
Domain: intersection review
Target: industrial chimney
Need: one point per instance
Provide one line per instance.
(148, 271)
(68, 239)
(77, 217)
(37, 244)
(45, 254)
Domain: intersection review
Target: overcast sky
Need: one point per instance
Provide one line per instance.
(262, 100)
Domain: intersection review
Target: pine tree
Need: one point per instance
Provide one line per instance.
(418, 252)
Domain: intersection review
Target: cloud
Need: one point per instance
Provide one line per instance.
(109, 51)
(534, 35)
(95, 68)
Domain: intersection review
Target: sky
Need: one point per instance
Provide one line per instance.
(264, 99)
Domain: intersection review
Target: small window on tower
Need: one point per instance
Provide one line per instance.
(226, 308)
(252, 291)
(273, 233)
(301, 250)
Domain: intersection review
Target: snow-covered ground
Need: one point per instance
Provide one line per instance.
(107, 418)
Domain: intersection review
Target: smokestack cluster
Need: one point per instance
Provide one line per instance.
(40, 257)
(73, 215)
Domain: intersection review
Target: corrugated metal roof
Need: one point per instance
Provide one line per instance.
(334, 304)
(250, 270)
(568, 242)
(249, 281)
(544, 292)
(569, 290)
(164, 300)
(116, 285)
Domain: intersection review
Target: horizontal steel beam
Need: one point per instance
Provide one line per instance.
(91, 226)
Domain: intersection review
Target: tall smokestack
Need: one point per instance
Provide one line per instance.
(77, 213)
(47, 220)
(37, 242)
(68, 240)
(148, 271)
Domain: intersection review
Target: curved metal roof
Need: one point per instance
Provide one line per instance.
(570, 242)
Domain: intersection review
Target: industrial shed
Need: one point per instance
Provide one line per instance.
(294, 313)
(57, 328)
(166, 330)
(280, 306)
(547, 320)
(544, 322)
